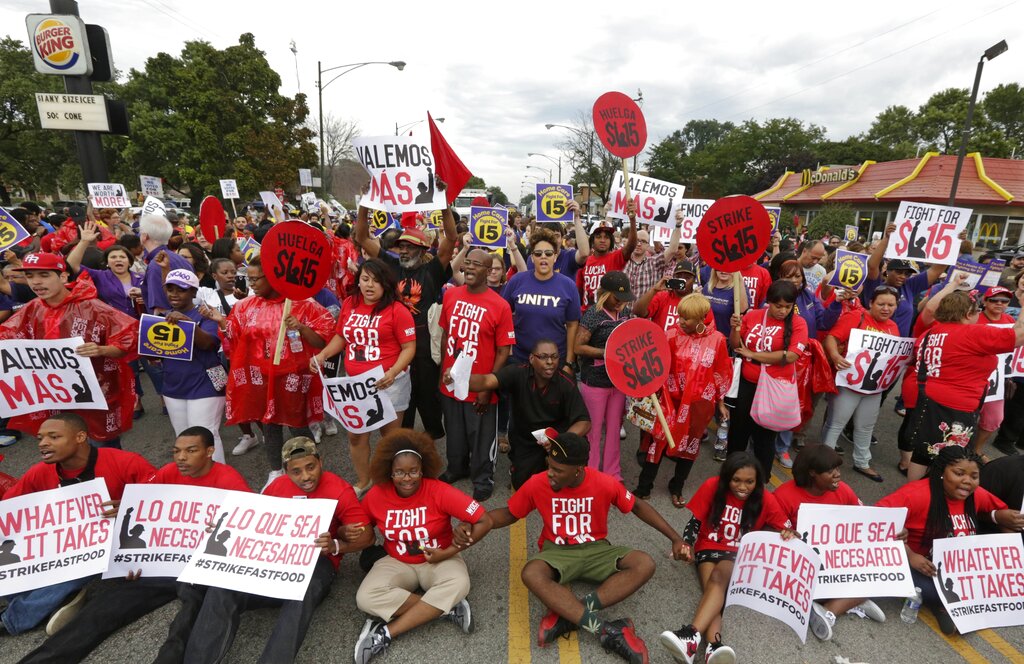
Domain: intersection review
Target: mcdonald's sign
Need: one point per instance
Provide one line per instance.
(989, 231)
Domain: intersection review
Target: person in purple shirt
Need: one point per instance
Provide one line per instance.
(154, 232)
(818, 317)
(568, 260)
(116, 285)
(545, 304)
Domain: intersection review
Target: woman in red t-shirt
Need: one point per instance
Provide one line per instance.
(413, 512)
(773, 338)
(947, 504)
(862, 403)
(955, 359)
(375, 329)
(724, 509)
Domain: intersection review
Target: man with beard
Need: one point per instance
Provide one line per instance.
(477, 321)
(420, 278)
(603, 257)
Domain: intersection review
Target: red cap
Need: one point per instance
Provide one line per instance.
(409, 219)
(996, 291)
(42, 261)
(414, 236)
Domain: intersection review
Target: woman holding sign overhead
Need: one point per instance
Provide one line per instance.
(375, 330)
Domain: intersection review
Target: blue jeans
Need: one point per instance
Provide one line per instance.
(27, 610)
(783, 442)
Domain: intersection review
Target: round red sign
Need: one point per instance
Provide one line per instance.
(211, 219)
(733, 234)
(637, 357)
(620, 124)
(296, 259)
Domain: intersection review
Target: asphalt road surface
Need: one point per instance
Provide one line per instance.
(506, 617)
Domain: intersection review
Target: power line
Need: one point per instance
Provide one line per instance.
(178, 20)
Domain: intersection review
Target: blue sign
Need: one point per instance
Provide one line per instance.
(487, 227)
(168, 341)
(11, 232)
(553, 202)
(774, 213)
(851, 270)
(381, 221)
(980, 276)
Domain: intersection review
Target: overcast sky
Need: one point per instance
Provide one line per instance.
(498, 71)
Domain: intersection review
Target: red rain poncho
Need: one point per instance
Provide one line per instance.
(698, 379)
(342, 281)
(82, 315)
(68, 233)
(257, 390)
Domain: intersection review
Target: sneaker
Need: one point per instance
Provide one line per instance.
(462, 616)
(483, 495)
(721, 452)
(682, 644)
(271, 476)
(64, 614)
(330, 427)
(868, 609)
(622, 433)
(785, 460)
(551, 627)
(620, 637)
(361, 490)
(7, 441)
(874, 439)
(317, 431)
(946, 623)
(245, 443)
(1004, 446)
(900, 410)
(373, 640)
(719, 653)
(822, 621)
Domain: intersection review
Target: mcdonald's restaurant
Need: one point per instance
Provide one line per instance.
(992, 188)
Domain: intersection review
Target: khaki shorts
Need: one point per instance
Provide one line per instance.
(592, 561)
(390, 582)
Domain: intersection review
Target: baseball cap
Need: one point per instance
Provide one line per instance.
(602, 227)
(684, 266)
(569, 448)
(414, 236)
(617, 283)
(1019, 254)
(997, 291)
(297, 448)
(901, 264)
(183, 278)
(43, 261)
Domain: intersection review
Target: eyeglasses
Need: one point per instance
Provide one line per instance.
(254, 279)
(545, 358)
(496, 268)
(546, 253)
(999, 300)
(403, 474)
(477, 263)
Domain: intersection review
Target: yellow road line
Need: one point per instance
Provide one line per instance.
(518, 597)
(569, 650)
(959, 645)
(1001, 646)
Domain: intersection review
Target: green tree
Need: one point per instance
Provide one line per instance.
(475, 182)
(210, 114)
(526, 200)
(1004, 106)
(940, 123)
(895, 129)
(496, 195)
(831, 219)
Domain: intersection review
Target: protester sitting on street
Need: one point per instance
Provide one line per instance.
(949, 503)
(217, 622)
(724, 509)
(422, 577)
(572, 489)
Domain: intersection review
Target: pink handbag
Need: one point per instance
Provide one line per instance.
(776, 403)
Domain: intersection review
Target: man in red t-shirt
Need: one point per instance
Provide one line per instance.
(68, 459)
(304, 478)
(122, 603)
(478, 322)
(604, 258)
(573, 501)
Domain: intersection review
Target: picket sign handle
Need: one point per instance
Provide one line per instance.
(664, 424)
(737, 290)
(281, 332)
(234, 212)
(625, 183)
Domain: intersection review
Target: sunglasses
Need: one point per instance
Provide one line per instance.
(546, 253)
(886, 289)
(999, 300)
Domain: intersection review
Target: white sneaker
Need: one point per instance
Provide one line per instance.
(785, 460)
(330, 427)
(273, 475)
(462, 616)
(245, 443)
(681, 644)
(64, 614)
(719, 653)
(622, 433)
(822, 621)
(868, 609)
(317, 432)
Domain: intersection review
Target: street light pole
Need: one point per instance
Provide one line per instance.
(542, 170)
(559, 162)
(413, 124)
(590, 154)
(991, 53)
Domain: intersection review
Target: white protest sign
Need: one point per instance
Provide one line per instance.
(273, 205)
(693, 210)
(997, 379)
(261, 544)
(48, 537)
(859, 552)
(979, 579)
(309, 203)
(229, 189)
(108, 195)
(305, 177)
(153, 206)
(401, 172)
(158, 527)
(877, 361)
(928, 233)
(356, 402)
(776, 578)
(151, 186)
(656, 200)
(1014, 363)
(46, 374)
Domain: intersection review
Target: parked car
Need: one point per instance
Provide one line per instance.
(1006, 253)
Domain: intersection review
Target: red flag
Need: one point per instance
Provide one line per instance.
(448, 165)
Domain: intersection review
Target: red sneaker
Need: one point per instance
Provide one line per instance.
(620, 637)
(551, 627)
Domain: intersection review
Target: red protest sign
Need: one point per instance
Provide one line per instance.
(734, 232)
(620, 124)
(296, 259)
(636, 357)
(211, 219)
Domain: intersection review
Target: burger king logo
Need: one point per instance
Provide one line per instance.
(54, 42)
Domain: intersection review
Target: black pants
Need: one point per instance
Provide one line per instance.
(649, 473)
(426, 395)
(743, 429)
(218, 620)
(527, 460)
(273, 441)
(120, 605)
(1012, 430)
(471, 444)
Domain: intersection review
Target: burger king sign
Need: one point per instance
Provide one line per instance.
(59, 44)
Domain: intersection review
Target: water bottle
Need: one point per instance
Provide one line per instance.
(723, 432)
(294, 341)
(911, 607)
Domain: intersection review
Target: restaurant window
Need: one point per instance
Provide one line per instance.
(989, 232)
(1013, 232)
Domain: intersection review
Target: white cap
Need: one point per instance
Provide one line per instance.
(183, 278)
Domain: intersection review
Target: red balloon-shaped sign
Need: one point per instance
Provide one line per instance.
(211, 219)
(296, 259)
(620, 124)
(637, 358)
(733, 234)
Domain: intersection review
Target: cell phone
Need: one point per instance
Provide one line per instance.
(675, 284)
(240, 283)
